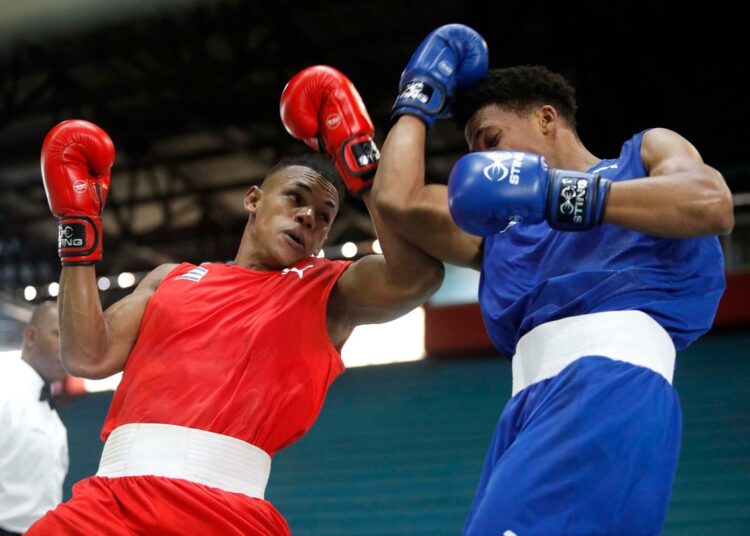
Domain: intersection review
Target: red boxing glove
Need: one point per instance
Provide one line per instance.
(321, 106)
(76, 161)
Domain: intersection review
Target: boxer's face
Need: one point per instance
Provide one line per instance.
(497, 128)
(293, 213)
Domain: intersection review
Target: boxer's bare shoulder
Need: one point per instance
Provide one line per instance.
(154, 278)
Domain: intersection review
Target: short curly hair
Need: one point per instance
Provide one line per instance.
(317, 162)
(519, 88)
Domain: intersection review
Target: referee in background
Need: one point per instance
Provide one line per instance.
(33, 439)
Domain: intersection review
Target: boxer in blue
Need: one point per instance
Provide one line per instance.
(593, 273)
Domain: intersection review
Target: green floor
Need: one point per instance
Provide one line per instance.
(398, 449)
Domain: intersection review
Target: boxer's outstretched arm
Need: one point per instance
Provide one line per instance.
(94, 343)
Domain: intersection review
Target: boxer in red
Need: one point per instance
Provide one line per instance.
(224, 364)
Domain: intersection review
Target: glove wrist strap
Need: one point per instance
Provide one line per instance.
(576, 200)
(423, 99)
(357, 162)
(79, 239)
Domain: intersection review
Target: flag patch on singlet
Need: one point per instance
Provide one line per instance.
(193, 275)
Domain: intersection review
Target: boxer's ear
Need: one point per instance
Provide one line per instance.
(252, 198)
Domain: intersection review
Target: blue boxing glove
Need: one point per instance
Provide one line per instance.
(487, 191)
(452, 56)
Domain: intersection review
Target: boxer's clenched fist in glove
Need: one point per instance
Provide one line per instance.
(453, 56)
(489, 190)
(76, 161)
(322, 107)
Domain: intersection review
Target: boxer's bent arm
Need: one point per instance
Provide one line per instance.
(380, 288)
(368, 292)
(682, 196)
(94, 343)
(419, 212)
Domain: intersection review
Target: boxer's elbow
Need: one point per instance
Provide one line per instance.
(394, 208)
(717, 207)
(723, 214)
(428, 280)
(411, 218)
(83, 364)
(78, 367)
(435, 278)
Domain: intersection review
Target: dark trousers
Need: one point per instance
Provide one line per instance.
(4, 532)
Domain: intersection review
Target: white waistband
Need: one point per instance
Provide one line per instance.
(172, 451)
(630, 336)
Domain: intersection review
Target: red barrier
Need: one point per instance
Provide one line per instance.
(734, 308)
(455, 329)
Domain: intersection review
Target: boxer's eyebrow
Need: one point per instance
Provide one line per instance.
(303, 186)
(307, 188)
(473, 136)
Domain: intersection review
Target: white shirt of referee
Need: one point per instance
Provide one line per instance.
(33, 439)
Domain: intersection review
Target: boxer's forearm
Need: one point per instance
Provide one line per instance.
(680, 205)
(83, 330)
(407, 266)
(400, 176)
(417, 212)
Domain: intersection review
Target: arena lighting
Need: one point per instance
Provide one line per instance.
(376, 247)
(393, 342)
(29, 293)
(349, 250)
(126, 280)
(53, 289)
(103, 283)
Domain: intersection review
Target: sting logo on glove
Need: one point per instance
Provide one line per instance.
(572, 200)
(71, 236)
(497, 171)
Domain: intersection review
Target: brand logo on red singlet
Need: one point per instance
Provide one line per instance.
(297, 271)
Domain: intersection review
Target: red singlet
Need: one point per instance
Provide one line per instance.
(225, 349)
